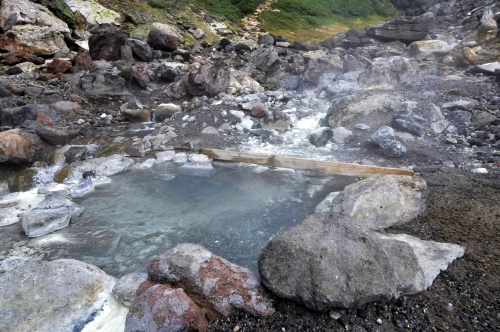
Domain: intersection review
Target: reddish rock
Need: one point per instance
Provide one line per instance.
(465, 57)
(15, 89)
(161, 41)
(17, 146)
(45, 76)
(225, 127)
(214, 283)
(139, 78)
(59, 66)
(136, 116)
(21, 56)
(208, 80)
(162, 308)
(258, 111)
(59, 75)
(45, 120)
(83, 60)
(106, 44)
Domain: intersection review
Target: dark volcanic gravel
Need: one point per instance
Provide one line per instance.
(462, 208)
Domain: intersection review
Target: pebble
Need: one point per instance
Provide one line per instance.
(335, 315)
(480, 170)
(236, 328)
(379, 321)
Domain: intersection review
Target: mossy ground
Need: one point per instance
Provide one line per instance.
(293, 22)
(300, 30)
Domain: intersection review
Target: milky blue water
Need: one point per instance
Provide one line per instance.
(233, 212)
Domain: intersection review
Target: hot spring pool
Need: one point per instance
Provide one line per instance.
(232, 211)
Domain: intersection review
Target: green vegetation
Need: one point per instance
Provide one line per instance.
(316, 20)
(159, 4)
(233, 10)
(326, 8)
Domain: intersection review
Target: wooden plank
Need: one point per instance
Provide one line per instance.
(328, 167)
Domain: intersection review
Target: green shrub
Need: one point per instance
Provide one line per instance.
(232, 9)
(162, 4)
(326, 8)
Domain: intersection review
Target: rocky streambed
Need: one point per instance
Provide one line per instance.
(417, 92)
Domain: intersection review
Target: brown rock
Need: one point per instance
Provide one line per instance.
(21, 56)
(59, 75)
(81, 23)
(465, 57)
(225, 127)
(136, 116)
(208, 80)
(161, 41)
(17, 90)
(162, 308)
(139, 78)
(59, 66)
(45, 76)
(83, 60)
(214, 283)
(17, 146)
(258, 111)
(106, 44)
(45, 120)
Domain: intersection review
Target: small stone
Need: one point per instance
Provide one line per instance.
(236, 328)
(335, 315)
(210, 131)
(379, 321)
(362, 126)
(480, 170)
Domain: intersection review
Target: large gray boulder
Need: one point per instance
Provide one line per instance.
(61, 295)
(14, 117)
(330, 260)
(38, 40)
(387, 72)
(103, 84)
(50, 215)
(51, 135)
(21, 12)
(318, 63)
(265, 58)
(404, 30)
(381, 201)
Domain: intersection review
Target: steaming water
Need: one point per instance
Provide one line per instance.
(314, 106)
(233, 212)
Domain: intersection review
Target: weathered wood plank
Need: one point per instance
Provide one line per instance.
(328, 167)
